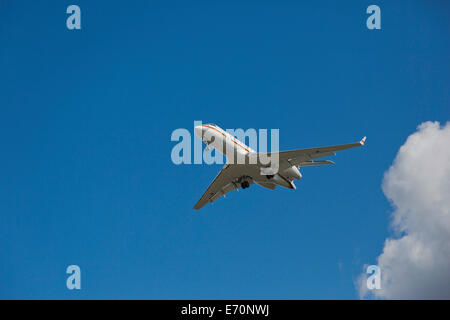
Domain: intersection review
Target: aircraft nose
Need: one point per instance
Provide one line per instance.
(198, 130)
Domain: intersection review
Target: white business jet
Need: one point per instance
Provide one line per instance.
(245, 166)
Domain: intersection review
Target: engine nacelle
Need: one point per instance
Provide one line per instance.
(292, 173)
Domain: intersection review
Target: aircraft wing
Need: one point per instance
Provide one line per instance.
(304, 157)
(223, 183)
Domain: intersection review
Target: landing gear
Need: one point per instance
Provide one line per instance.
(269, 176)
(209, 142)
(245, 184)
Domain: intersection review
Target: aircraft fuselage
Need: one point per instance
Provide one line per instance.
(222, 141)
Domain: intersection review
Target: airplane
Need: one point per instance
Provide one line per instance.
(241, 175)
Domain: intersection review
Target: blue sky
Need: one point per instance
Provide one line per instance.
(85, 124)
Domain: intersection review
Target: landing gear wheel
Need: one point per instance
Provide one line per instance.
(245, 184)
(209, 142)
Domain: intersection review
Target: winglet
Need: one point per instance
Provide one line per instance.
(363, 140)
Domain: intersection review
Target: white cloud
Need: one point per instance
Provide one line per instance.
(416, 265)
